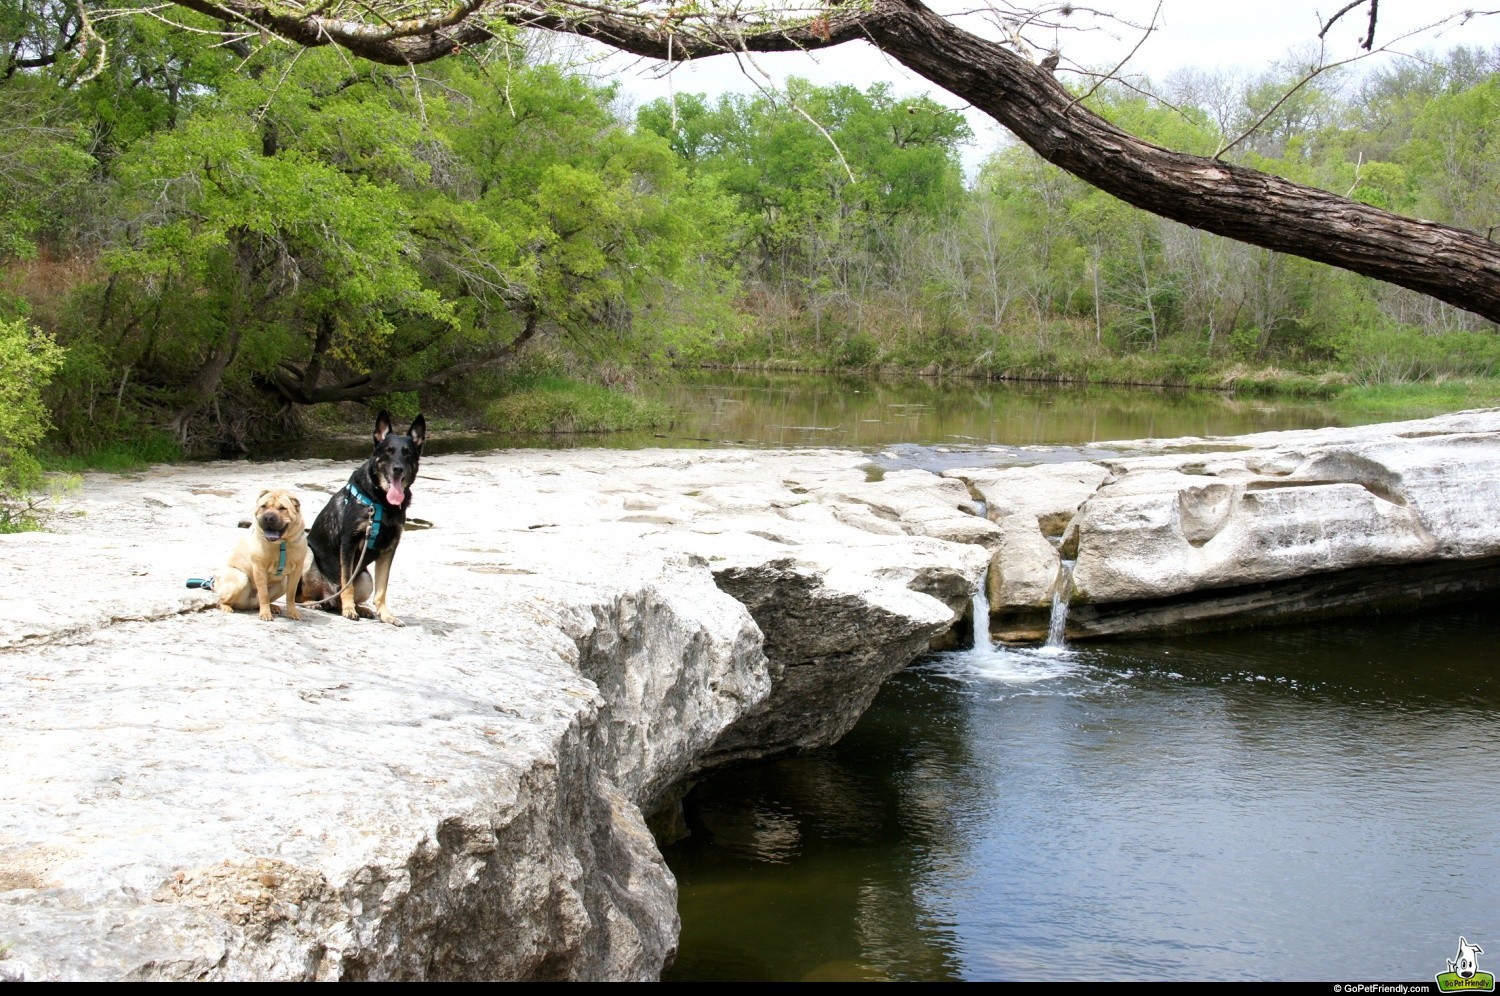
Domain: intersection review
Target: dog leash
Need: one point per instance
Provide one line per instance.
(376, 517)
(353, 577)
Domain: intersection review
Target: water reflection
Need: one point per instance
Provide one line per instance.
(720, 408)
(809, 410)
(843, 902)
(1301, 803)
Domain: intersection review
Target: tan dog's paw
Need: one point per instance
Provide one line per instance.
(387, 617)
(351, 613)
(225, 607)
(266, 613)
(292, 613)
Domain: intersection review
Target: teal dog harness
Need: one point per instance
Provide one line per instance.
(377, 514)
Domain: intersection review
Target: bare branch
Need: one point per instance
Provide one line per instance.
(1342, 11)
(1323, 66)
(790, 102)
(1111, 74)
(1369, 32)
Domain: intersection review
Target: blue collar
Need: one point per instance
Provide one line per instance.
(281, 560)
(375, 508)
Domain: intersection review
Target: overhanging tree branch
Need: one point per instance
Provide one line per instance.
(300, 385)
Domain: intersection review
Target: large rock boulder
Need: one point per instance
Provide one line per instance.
(201, 796)
(1048, 493)
(194, 795)
(910, 502)
(833, 638)
(1277, 525)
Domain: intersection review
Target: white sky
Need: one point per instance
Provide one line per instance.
(1206, 34)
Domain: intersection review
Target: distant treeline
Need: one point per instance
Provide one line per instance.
(860, 244)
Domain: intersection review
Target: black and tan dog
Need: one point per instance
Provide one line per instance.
(361, 526)
(268, 561)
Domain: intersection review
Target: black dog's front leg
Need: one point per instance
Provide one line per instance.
(382, 577)
(348, 561)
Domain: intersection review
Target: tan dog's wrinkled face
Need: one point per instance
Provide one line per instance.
(278, 513)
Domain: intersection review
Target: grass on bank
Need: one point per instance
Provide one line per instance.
(1322, 361)
(1398, 402)
(116, 456)
(550, 403)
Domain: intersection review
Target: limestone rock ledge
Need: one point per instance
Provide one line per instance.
(1193, 533)
(186, 794)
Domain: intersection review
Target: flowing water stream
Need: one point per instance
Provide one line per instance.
(1062, 591)
(1313, 802)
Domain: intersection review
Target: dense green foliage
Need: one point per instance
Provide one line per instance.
(213, 239)
(218, 240)
(1031, 273)
(27, 360)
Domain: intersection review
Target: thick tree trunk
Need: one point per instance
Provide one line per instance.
(204, 387)
(1455, 266)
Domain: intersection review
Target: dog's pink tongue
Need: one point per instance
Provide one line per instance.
(395, 495)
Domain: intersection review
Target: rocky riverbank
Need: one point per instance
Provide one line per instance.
(192, 795)
(1172, 535)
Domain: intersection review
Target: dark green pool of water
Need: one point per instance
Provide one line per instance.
(1298, 803)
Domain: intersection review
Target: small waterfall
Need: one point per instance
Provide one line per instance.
(981, 611)
(1063, 591)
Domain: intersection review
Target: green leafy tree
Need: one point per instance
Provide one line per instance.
(1452, 154)
(27, 359)
(322, 231)
(829, 184)
(259, 223)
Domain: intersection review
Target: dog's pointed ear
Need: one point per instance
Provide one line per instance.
(382, 425)
(418, 432)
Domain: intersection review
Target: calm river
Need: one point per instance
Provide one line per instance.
(724, 409)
